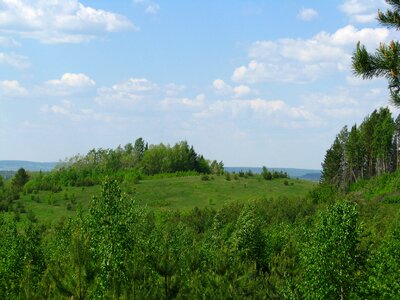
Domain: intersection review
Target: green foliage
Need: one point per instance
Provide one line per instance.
(180, 158)
(385, 61)
(130, 163)
(366, 151)
(205, 177)
(217, 168)
(114, 221)
(249, 238)
(384, 279)
(323, 193)
(20, 179)
(273, 247)
(267, 175)
(71, 251)
(21, 259)
(332, 258)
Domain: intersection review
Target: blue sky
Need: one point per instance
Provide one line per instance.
(251, 83)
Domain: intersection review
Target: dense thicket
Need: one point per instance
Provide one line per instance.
(270, 248)
(364, 151)
(150, 160)
(130, 163)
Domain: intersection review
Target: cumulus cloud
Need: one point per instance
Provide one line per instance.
(12, 88)
(58, 21)
(307, 14)
(306, 60)
(72, 80)
(362, 11)
(277, 111)
(345, 103)
(129, 92)
(222, 88)
(256, 72)
(14, 60)
(69, 83)
(241, 90)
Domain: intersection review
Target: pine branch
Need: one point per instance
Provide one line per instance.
(389, 19)
(394, 3)
(385, 62)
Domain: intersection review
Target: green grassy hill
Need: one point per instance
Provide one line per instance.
(181, 193)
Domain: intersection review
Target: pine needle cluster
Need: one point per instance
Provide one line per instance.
(385, 62)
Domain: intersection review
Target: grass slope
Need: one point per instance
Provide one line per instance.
(182, 193)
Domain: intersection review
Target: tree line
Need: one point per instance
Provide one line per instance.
(364, 151)
(131, 162)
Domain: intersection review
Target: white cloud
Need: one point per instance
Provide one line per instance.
(173, 89)
(349, 35)
(367, 18)
(58, 21)
(306, 60)
(276, 111)
(173, 103)
(350, 104)
(256, 72)
(68, 84)
(307, 14)
(362, 11)
(72, 80)
(222, 88)
(340, 98)
(128, 92)
(352, 80)
(241, 90)
(12, 88)
(14, 60)
(150, 7)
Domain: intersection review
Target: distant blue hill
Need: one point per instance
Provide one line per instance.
(14, 165)
(311, 176)
(307, 174)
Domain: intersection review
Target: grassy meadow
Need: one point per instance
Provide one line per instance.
(176, 193)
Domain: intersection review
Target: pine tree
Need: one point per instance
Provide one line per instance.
(382, 140)
(354, 154)
(396, 145)
(367, 128)
(331, 164)
(385, 62)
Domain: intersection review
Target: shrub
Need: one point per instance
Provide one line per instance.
(249, 173)
(205, 177)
